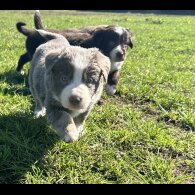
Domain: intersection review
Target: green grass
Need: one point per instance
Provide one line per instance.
(144, 136)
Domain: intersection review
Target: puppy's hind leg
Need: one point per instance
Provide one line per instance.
(23, 60)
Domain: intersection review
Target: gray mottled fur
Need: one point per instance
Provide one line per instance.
(57, 52)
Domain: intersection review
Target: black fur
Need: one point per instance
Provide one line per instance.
(103, 37)
(99, 36)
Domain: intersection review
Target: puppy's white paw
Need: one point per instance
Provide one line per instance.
(71, 137)
(39, 113)
(72, 134)
(110, 89)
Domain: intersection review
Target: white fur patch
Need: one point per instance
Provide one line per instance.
(110, 89)
(79, 90)
(71, 136)
(39, 113)
(116, 66)
(75, 113)
(114, 52)
(119, 30)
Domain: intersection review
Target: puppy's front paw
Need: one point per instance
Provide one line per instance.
(110, 89)
(39, 113)
(71, 134)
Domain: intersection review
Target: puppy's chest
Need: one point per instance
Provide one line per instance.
(116, 66)
(76, 113)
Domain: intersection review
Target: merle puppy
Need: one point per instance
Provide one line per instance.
(112, 41)
(66, 81)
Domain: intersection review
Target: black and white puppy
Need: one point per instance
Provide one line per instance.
(112, 41)
(66, 81)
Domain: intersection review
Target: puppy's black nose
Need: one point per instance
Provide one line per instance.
(74, 100)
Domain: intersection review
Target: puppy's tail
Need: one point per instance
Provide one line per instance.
(22, 29)
(37, 20)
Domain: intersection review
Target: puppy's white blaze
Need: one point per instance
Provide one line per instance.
(114, 51)
(76, 87)
(110, 89)
(119, 30)
(80, 63)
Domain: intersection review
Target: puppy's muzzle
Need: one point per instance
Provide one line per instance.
(79, 98)
(120, 55)
(75, 100)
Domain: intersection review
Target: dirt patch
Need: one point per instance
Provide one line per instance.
(184, 125)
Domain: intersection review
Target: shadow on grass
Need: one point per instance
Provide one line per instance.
(185, 125)
(23, 142)
(13, 79)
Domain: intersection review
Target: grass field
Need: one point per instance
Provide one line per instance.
(146, 135)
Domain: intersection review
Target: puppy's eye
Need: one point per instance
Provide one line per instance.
(64, 79)
(89, 80)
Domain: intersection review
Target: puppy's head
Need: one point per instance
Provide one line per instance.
(114, 41)
(76, 75)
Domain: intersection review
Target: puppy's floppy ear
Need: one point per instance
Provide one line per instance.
(95, 39)
(130, 44)
(131, 38)
(51, 60)
(104, 63)
(99, 36)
